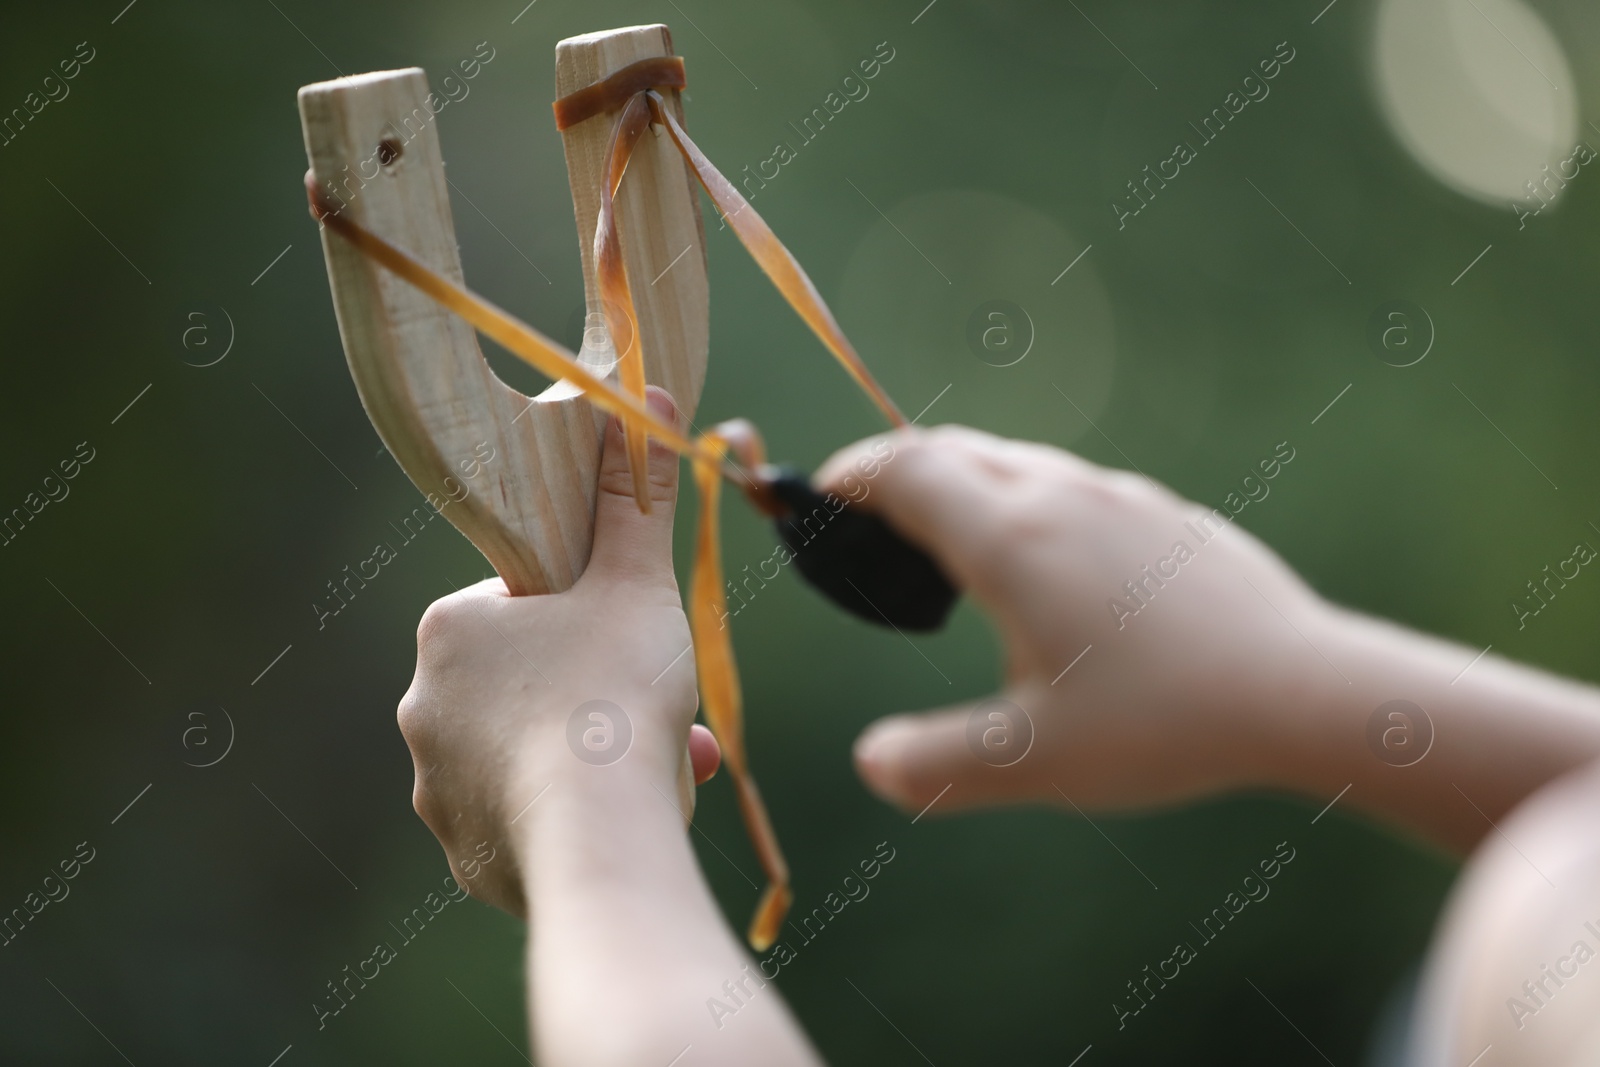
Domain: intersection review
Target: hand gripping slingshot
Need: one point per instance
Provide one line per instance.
(377, 185)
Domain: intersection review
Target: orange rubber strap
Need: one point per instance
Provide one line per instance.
(721, 700)
(521, 340)
(609, 94)
(780, 266)
(611, 277)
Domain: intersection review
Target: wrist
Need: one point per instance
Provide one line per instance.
(588, 742)
(1371, 716)
(598, 764)
(601, 833)
(1306, 707)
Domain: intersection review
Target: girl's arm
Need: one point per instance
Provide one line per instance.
(550, 736)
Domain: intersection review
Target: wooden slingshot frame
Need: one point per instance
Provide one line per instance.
(378, 186)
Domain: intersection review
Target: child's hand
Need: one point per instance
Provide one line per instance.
(1212, 665)
(1179, 693)
(492, 717)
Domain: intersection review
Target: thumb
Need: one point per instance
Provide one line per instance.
(627, 543)
(965, 756)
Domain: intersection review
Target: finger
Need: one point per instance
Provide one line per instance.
(704, 753)
(627, 543)
(932, 486)
(858, 457)
(966, 756)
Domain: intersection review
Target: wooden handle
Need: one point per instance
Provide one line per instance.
(373, 145)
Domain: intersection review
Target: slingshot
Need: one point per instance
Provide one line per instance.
(408, 338)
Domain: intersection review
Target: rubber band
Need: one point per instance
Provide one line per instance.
(611, 276)
(608, 94)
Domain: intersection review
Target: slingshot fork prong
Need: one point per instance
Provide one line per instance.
(373, 145)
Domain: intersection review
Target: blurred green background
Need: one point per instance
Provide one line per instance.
(1209, 329)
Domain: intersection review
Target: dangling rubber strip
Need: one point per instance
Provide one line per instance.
(775, 260)
(612, 278)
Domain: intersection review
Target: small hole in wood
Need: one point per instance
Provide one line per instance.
(388, 151)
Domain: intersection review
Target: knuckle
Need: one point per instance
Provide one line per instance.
(1138, 491)
(1116, 488)
(1129, 484)
(946, 431)
(922, 458)
(426, 807)
(662, 471)
(616, 481)
(411, 716)
(938, 438)
(450, 631)
(661, 486)
(441, 621)
(661, 478)
(1025, 520)
(955, 435)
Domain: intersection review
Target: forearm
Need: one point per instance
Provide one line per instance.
(1499, 730)
(626, 945)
